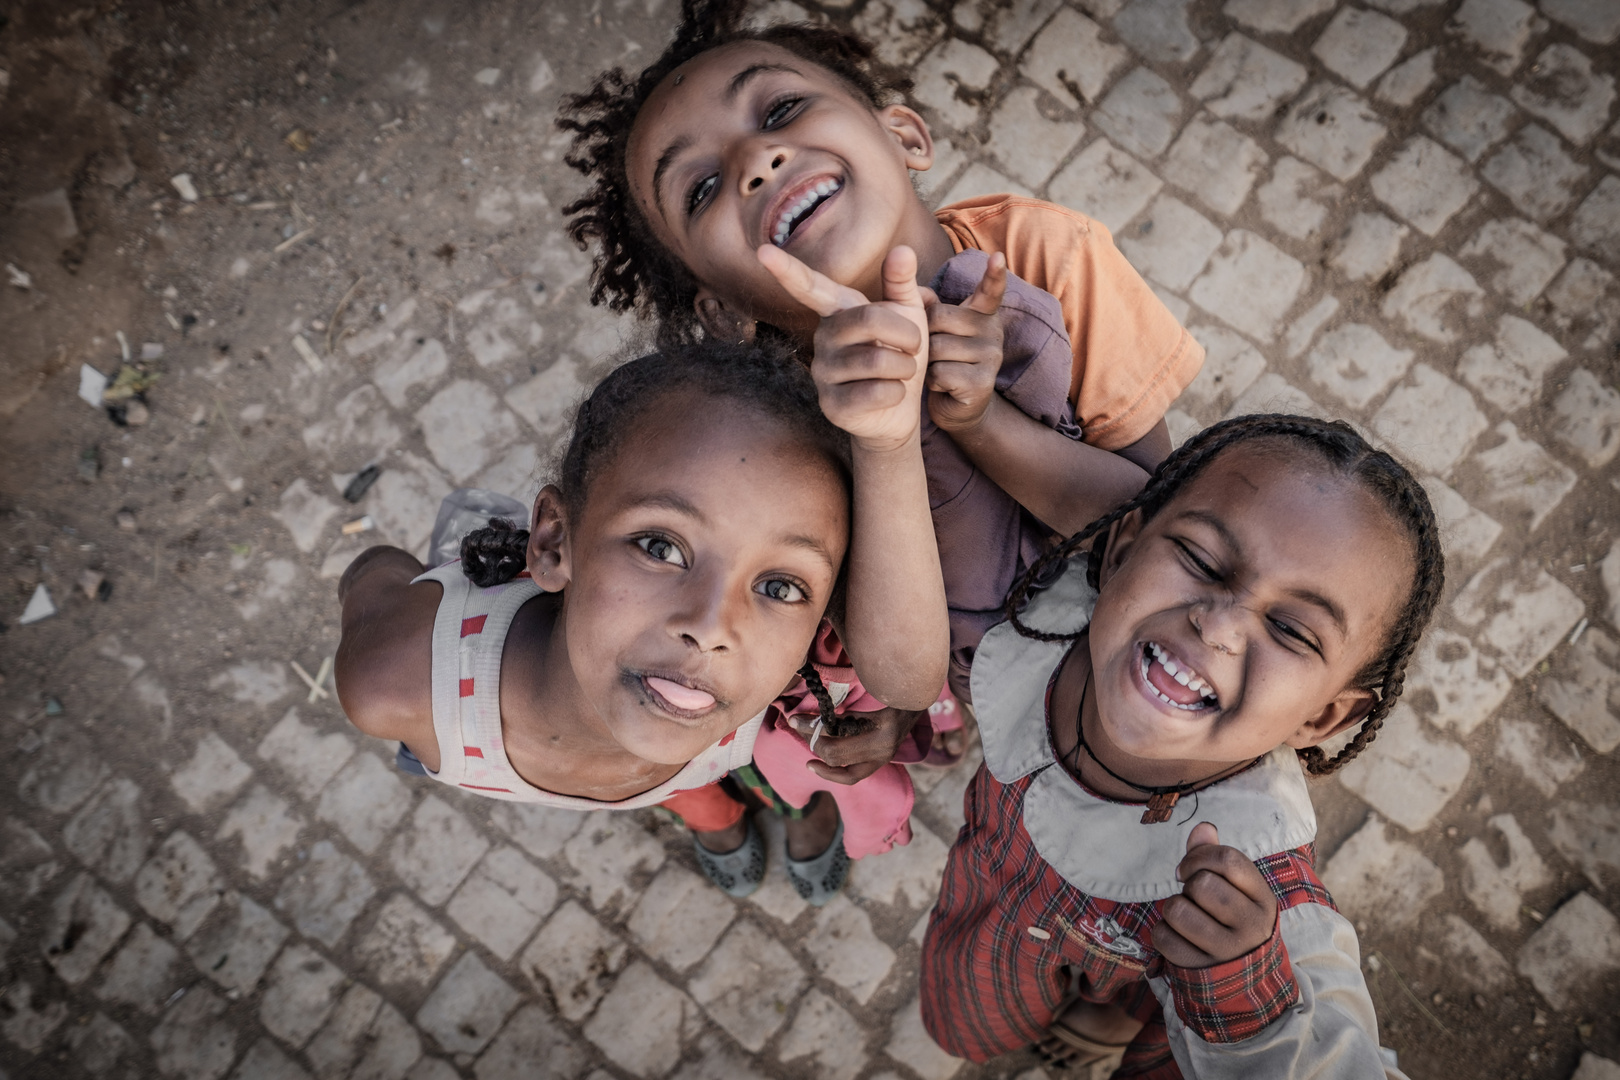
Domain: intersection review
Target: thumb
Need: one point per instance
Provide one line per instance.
(1203, 833)
(986, 298)
(900, 278)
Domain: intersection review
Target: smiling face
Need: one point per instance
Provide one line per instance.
(1239, 617)
(697, 573)
(748, 144)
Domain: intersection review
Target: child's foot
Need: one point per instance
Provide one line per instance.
(1087, 1033)
(813, 833)
(819, 876)
(950, 737)
(733, 858)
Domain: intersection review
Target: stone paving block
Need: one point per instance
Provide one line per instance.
(951, 81)
(1157, 30)
(1369, 246)
(901, 30)
(506, 331)
(1519, 476)
(100, 1043)
(1535, 173)
(1425, 184)
(299, 994)
(1303, 329)
(1231, 365)
(468, 1006)
(1273, 393)
(1588, 835)
(1595, 20)
(548, 400)
(1524, 612)
(1497, 889)
(1106, 183)
(1593, 1067)
(23, 1023)
(1467, 685)
(540, 830)
(383, 330)
(1499, 29)
(576, 958)
(716, 1059)
(1596, 224)
(66, 771)
(1586, 303)
(1406, 82)
(502, 901)
(1333, 129)
(1408, 774)
(1509, 372)
(909, 1042)
(1373, 877)
(1070, 61)
(1610, 572)
(909, 875)
(1178, 307)
(1578, 944)
(827, 1036)
(365, 1039)
(323, 896)
(845, 950)
(1562, 89)
(1276, 16)
(1469, 118)
(405, 946)
(1026, 142)
(1172, 242)
(1359, 45)
(639, 1024)
(358, 429)
(308, 758)
(432, 1068)
(977, 180)
(747, 984)
(26, 865)
(1010, 27)
(1540, 752)
(179, 885)
(111, 833)
(1429, 419)
(1250, 284)
(213, 775)
(336, 1046)
(1480, 966)
(1356, 363)
(405, 500)
(1526, 257)
(253, 682)
(1435, 298)
(1244, 80)
(305, 513)
(408, 366)
(266, 825)
(1297, 198)
(437, 850)
(946, 798)
(679, 917)
(1141, 113)
(1584, 690)
(1587, 418)
(366, 800)
(532, 1046)
(265, 1061)
(465, 426)
(937, 178)
(613, 857)
(237, 943)
(515, 473)
(193, 1042)
(1215, 162)
(777, 896)
(143, 974)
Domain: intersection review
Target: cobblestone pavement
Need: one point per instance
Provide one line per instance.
(1405, 213)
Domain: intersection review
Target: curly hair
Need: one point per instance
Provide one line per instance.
(631, 268)
(1336, 445)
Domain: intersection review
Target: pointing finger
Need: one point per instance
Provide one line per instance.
(986, 298)
(816, 291)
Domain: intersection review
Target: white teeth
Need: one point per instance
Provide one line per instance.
(1182, 677)
(784, 224)
(823, 188)
(1169, 666)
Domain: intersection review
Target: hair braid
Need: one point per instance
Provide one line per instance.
(495, 553)
(1338, 446)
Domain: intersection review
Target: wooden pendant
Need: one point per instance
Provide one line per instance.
(1159, 807)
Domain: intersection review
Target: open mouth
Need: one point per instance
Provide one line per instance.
(1175, 683)
(796, 213)
(677, 698)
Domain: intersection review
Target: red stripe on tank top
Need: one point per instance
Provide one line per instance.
(474, 625)
(479, 787)
(466, 688)
(472, 751)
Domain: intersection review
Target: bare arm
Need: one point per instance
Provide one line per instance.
(1150, 449)
(384, 667)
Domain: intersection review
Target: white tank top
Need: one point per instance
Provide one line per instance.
(469, 632)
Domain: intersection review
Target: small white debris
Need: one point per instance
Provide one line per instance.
(359, 525)
(123, 344)
(174, 322)
(488, 77)
(39, 606)
(90, 582)
(20, 278)
(182, 183)
(151, 350)
(1580, 628)
(308, 353)
(92, 384)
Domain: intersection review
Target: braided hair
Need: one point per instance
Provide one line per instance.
(760, 378)
(632, 269)
(1338, 446)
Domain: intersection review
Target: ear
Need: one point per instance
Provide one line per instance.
(549, 559)
(1117, 545)
(719, 321)
(911, 131)
(1347, 710)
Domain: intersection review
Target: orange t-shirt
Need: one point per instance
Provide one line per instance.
(1131, 357)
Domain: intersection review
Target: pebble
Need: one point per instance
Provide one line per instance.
(39, 606)
(126, 520)
(136, 413)
(182, 183)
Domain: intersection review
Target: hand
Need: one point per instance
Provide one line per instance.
(965, 351)
(870, 358)
(1225, 909)
(852, 758)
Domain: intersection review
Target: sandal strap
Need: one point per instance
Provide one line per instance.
(819, 879)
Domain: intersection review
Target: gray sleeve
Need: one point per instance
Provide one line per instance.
(1330, 1032)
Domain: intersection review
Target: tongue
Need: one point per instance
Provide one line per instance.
(1166, 684)
(683, 697)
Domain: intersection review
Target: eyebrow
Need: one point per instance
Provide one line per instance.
(743, 77)
(668, 500)
(811, 544)
(665, 160)
(1309, 596)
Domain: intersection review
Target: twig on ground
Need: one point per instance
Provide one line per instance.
(331, 324)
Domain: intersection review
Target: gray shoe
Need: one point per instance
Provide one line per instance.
(819, 879)
(738, 873)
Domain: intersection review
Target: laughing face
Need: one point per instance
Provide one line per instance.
(1238, 619)
(748, 145)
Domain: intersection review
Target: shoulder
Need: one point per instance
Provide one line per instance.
(384, 666)
(996, 221)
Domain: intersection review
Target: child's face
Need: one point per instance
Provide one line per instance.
(1268, 586)
(729, 147)
(698, 573)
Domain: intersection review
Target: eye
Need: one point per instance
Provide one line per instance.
(1288, 631)
(1197, 564)
(662, 549)
(782, 590)
(700, 193)
(780, 111)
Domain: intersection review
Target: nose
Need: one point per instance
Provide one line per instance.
(1219, 625)
(708, 613)
(760, 159)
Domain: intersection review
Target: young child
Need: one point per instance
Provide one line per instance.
(672, 584)
(738, 147)
(1261, 595)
